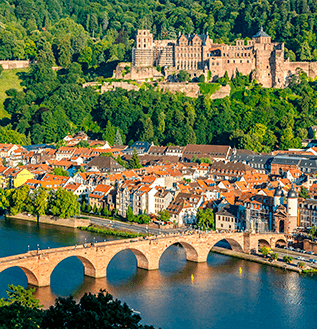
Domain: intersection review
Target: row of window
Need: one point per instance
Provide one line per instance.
(187, 55)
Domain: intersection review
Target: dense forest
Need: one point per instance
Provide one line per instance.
(53, 105)
(88, 38)
(96, 33)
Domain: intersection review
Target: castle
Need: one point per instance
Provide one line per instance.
(198, 54)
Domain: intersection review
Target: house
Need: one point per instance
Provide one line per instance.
(162, 199)
(104, 164)
(17, 177)
(213, 152)
(78, 189)
(184, 207)
(228, 219)
(99, 196)
(140, 147)
(64, 153)
(175, 151)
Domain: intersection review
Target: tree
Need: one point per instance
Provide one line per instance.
(265, 251)
(118, 138)
(274, 256)
(24, 297)
(64, 52)
(301, 264)
(163, 216)
(129, 215)
(143, 219)
(16, 315)
(1, 69)
(18, 200)
(183, 76)
(59, 171)
(88, 208)
(109, 133)
(303, 193)
(64, 204)
(148, 131)
(82, 144)
(94, 209)
(288, 259)
(83, 206)
(201, 78)
(4, 200)
(22, 310)
(134, 162)
(312, 232)
(205, 219)
(40, 202)
(100, 311)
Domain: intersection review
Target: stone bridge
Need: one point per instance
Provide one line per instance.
(38, 265)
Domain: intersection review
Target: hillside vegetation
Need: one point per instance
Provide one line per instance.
(88, 38)
(8, 79)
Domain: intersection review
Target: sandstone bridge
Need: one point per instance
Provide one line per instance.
(38, 265)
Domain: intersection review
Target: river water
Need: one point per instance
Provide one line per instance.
(218, 297)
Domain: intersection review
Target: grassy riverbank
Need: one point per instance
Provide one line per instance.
(105, 231)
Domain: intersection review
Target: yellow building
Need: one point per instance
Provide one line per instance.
(20, 177)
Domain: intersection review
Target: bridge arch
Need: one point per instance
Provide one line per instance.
(262, 242)
(280, 241)
(30, 275)
(89, 267)
(190, 250)
(142, 260)
(234, 244)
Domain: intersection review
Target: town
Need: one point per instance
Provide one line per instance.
(237, 190)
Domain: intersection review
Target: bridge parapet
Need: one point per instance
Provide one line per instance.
(39, 264)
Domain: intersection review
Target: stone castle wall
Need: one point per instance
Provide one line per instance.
(9, 65)
(190, 89)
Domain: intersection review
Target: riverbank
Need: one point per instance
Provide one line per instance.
(257, 259)
(102, 230)
(69, 222)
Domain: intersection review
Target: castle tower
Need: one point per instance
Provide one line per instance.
(278, 197)
(143, 53)
(144, 39)
(292, 209)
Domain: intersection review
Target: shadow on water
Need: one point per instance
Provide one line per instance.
(220, 296)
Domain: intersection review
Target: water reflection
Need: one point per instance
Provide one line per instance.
(219, 297)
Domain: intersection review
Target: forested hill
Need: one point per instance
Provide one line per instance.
(98, 32)
(87, 38)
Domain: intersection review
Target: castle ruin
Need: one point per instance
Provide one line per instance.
(198, 54)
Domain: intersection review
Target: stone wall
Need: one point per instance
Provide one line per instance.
(69, 222)
(190, 89)
(128, 72)
(9, 65)
(310, 246)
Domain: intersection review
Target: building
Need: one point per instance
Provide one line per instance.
(104, 164)
(198, 54)
(228, 219)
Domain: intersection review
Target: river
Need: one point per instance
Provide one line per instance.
(219, 297)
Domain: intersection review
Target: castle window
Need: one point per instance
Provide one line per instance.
(234, 61)
(240, 60)
(247, 61)
(228, 61)
(144, 45)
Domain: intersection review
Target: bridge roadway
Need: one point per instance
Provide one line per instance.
(38, 265)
